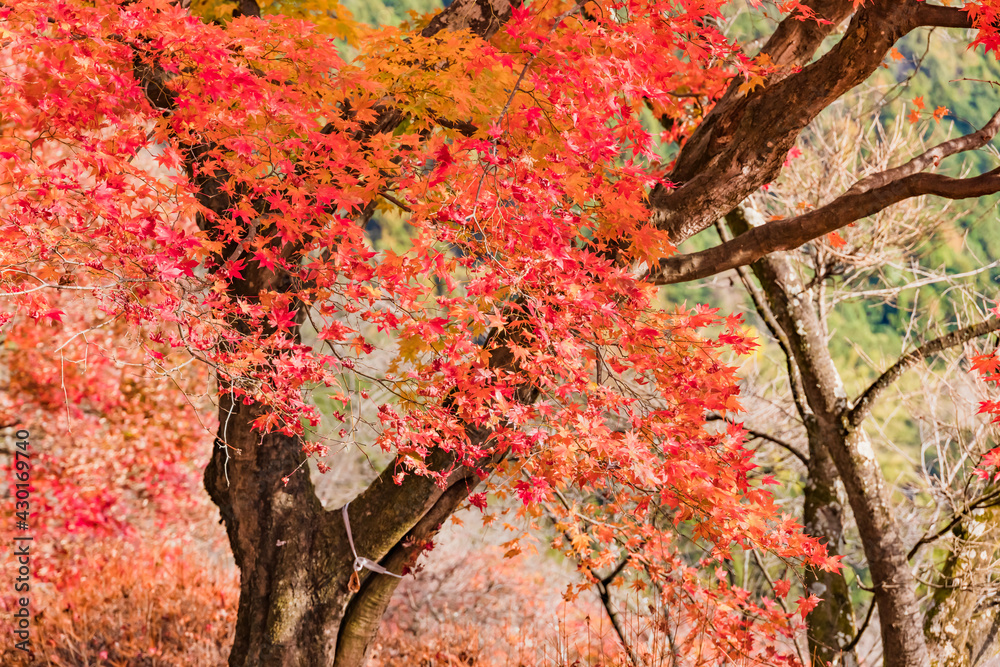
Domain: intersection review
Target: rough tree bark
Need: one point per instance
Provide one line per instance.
(962, 623)
(743, 144)
(832, 624)
(795, 311)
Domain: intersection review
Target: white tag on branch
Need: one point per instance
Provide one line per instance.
(361, 563)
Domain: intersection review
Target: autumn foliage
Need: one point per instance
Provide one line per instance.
(522, 167)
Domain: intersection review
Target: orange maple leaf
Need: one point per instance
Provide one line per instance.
(836, 240)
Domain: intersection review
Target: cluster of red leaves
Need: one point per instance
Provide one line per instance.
(120, 525)
(918, 111)
(986, 17)
(116, 444)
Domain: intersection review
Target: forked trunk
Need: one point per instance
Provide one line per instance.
(296, 606)
(826, 409)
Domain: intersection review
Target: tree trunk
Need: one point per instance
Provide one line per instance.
(296, 608)
(962, 622)
(900, 620)
(832, 624)
(795, 311)
(290, 607)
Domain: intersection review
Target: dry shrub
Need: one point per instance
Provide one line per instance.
(143, 604)
(149, 604)
(471, 607)
(165, 604)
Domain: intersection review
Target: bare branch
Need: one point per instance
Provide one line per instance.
(616, 622)
(932, 156)
(781, 601)
(764, 436)
(951, 278)
(861, 631)
(863, 405)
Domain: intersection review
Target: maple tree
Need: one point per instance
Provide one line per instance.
(197, 189)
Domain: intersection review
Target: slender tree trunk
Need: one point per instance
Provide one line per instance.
(795, 311)
(900, 620)
(831, 625)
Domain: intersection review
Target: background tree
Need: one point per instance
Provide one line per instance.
(796, 295)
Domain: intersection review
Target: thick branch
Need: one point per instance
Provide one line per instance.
(943, 17)
(931, 157)
(792, 233)
(744, 144)
(795, 41)
(481, 17)
(793, 44)
(364, 612)
(247, 8)
(864, 404)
